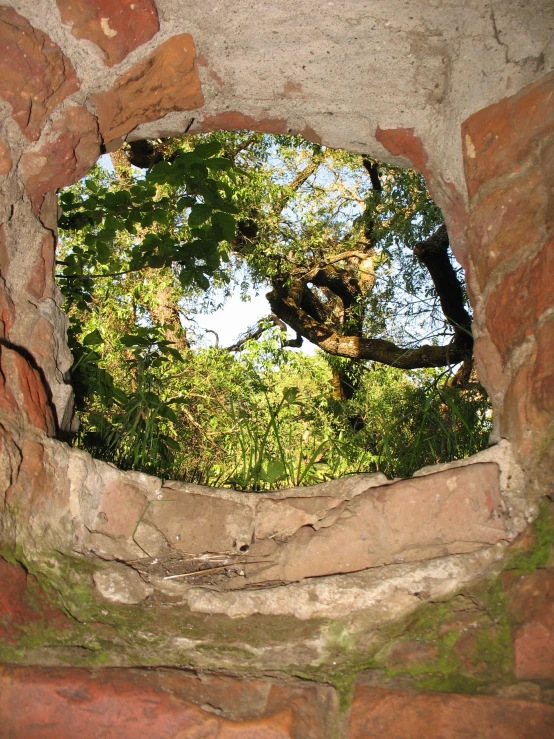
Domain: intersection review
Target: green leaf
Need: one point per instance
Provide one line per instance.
(174, 353)
(93, 339)
(103, 252)
(219, 164)
(199, 214)
(202, 281)
(203, 151)
(132, 340)
(120, 396)
(226, 224)
(171, 443)
(185, 202)
(167, 412)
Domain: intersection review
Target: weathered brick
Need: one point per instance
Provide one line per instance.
(23, 602)
(531, 599)
(522, 296)
(70, 702)
(72, 148)
(498, 139)
(542, 378)
(34, 74)
(400, 714)
(5, 158)
(508, 221)
(24, 390)
(116, 26)
(167, 80)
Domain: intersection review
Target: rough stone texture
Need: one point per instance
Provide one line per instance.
(396, 714)
(500, 139)
(34, 74)
(27, 394)
(449, 513)
(120, 584)
(23, 603)
(532, 608)
(461, 91)
(515, 306)
(124, 703)
(71, 149)
(116, 26)
(5, 158)
(508, 151)
(165, 81)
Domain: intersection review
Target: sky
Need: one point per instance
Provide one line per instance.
(236, 317)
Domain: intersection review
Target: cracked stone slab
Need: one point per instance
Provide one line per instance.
(120, 584)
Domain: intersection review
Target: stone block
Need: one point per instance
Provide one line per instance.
(116, 26)
(71, 149)
(35, 76)
(128, 703)
(520, 299)
(498, 139)
(402, 714)
(450, 512)
(167, 80)
(531, 599)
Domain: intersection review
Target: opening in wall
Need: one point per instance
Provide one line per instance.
(353, 259)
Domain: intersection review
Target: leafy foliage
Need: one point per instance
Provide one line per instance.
(141, 252)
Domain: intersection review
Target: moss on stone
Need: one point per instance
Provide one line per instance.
(539, 554)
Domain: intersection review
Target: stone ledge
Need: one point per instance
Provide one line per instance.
(392, 714)
(128, 703)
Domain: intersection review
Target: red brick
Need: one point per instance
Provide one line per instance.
(514, 418)
(531, 600)
(35, 399)
(542, 377)
(497, 140)
(489, 366)
(399, 714)
(408, 653)
(116, 26)
(232, 120)
(34, 74)
(7, 307)
(72, 148)
(5, 158)
(65, 703)
(23, 602)
(523, 295)
(167, 80)
(7, 399)
(508, 221)
(402, 142)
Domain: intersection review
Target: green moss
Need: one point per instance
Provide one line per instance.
(458, 664)
(453, 682)
(539, 555)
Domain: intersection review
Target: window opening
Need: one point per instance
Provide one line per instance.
(352, 255)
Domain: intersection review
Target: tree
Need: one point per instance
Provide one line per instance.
(324, 267)
(345, 246)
